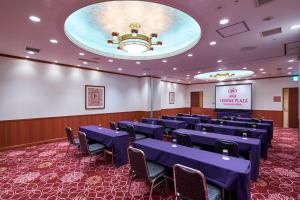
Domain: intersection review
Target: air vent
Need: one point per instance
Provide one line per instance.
(147, 69)
(233, 29)
(292, 48)
(248, 48)
(87, 60)
(262, 2)
(32, 49)
(271, 32)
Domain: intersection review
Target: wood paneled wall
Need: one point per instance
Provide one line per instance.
(170, 111)
(26, 132)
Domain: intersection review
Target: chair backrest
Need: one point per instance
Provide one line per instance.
(160, 122)
(84, 149)
(70, 135)
(204, 121)
(184, 139)
(137, 162)
(207, 128)
(225, 117)
(251, 125)
(179, 114)
(189, 183)
(113, 125)
(130, 130)
(242, 133)
(231, 147)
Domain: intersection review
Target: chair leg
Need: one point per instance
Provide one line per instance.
(130, 182)
(151, 190)
(67, 151)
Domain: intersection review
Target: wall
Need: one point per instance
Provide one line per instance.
(263, 91)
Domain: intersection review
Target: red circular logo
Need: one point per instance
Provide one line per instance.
(232, 91)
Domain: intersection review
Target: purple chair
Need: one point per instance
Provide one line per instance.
(191, 184)
(140, 168)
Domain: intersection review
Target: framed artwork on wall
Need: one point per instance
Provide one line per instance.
(94, 97)
(171, 97)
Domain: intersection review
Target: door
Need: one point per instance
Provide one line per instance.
(290, 108)
(196, 102)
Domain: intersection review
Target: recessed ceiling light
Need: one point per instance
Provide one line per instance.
(34, 18)
(219, 61)
(31, 52)
(145, 74)
(97, 68)
(295, 26)
(187, 75)
(199, 72)
(26, 56)
(244, 67)
(178, 80)
(224, 21)
(81, 54)
(110, 60)
(120, 69)
(55, 61)
(263, 72)
(54, 41)
(291, 60)
(254, 75)
(174, 68)
(84, 62)
(190, 55)
(138, 62)
(290, 68)
(289, 73)
(78, 65)
(261, 69)
(220, 69)
(164, 61)
(212, 43)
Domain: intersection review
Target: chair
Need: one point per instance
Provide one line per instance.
(205, 121)
(184, 139)
(231, 147)
(140, 168)
(71, 139)
(207, 128)
(113, 126)
(132, 135)
(191, 184)
(225, 118)
(221, 122)
(89, 149)
(167, 131)
(255, 120)
(251, 125)
(242, 133)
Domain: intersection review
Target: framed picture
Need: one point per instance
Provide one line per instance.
(171, 97)
(94, 97)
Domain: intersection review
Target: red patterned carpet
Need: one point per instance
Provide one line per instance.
(40, 172)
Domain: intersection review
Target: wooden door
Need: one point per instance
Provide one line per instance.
(196, 102)
(293, 108)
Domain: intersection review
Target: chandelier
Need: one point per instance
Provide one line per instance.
(222, 76)
(134, 42)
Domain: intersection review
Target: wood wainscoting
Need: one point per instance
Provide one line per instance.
(170, 111)
(28, 132)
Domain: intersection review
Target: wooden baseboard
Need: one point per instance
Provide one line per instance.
(33, 144)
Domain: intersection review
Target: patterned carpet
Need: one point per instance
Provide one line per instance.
(40, 172)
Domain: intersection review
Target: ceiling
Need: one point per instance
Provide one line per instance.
(239, 44)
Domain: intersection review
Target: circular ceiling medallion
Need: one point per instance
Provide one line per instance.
(92, 26)
(224, 75)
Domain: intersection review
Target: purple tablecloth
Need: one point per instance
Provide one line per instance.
(230, 174)
(201, 117)
(153, 131)
(169, 117)
(230, 130)
(168, 123)
(249, 145)
(117, 140)
(189, 120)
(262, 125)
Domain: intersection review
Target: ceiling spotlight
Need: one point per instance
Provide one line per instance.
(84, 62)
(224, 21)
(120, 69)
(145, 74)
(31, 52)
(291, 60)
(81, 54)
(220, 69)
(54, 41)
(261, 69)
(290, 68)
(78, 65)
(295, 26)
(219, 61)
(174, 68)
(26, 56)
(190, 55)
(199, 72)
(263, 72)
(164, 61)
(34, 18)
(55, 61)
(289, 73)
(110, 60)
(187, 75)
(138, 62)
(254, 75)
(244, 68)
(97, 68)
(212, 43)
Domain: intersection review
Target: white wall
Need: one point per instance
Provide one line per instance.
(32, 90)
(181, 95)
(263, 91)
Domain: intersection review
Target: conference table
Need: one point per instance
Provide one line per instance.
(168, 123)
(230, 130)
(248, 145)
(201, 117)
(117, 140)
(259, 125)
(151, 130)
(227, 172)
(192, 121)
